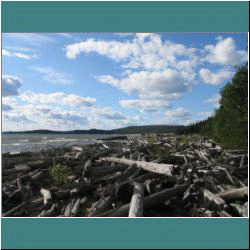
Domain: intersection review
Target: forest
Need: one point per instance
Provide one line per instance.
(229, 124)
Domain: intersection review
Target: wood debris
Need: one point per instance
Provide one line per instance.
(152, 175)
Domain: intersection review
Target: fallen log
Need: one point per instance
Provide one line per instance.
(236, 194)
(149, 166)
(149, 201)
(212, 201)
(75, 208)
(136, 204)
(241, 210)
(13, 210)
(46, 195)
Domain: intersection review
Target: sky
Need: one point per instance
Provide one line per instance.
(68, 81)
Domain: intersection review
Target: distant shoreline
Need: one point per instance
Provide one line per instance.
(126, 130)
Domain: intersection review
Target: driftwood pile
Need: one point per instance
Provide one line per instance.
(151, 176)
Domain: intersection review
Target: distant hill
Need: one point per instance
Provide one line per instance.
(126, 130)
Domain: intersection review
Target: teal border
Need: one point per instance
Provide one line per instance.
(198, 233)
(136, 233)
(125, 16)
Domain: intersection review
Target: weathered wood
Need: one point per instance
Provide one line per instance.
(75, 208)
(136, 204)
(149, 201)
(152, 167)
(235, 194)
(46, 195)
(211, 200)
(241, 210)
(51, 212)
(223, 213)
(100, 205)
(13, 210)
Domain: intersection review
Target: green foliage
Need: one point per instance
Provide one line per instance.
(59, 173)
(229, 126)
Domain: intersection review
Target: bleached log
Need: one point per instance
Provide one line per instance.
(152, 167)
(236, 194)
(223, 213)
(149, 201)
(211, 199)
(100, 205)
(75, 208)
(46, 195)
(50, 212)
(136, 204)
(241, 210)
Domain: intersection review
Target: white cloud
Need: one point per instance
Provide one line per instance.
(10, 85)
(53, 76)
(224, 52)
(35, 39)
(206, 115)
(58, 98)
(6, 107)
(19, 55)
(152, 84)
(219, 77)
(145, 105)
(179, 113)
(71, 117)
(215, 101)
(146, 50)
(17, 119)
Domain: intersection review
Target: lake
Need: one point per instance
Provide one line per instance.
(36, 142)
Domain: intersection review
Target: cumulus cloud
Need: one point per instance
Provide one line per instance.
(224, 52)
(10, 85)
(53, 76)
(18, 119)
(108, 113)
(206, 115)
(58, 98)
(145, 105)
(19, 55)
(6, 107)
(219, 77)
(69, 117)
(152, 84)
(146, 50)
(215, 101)
(179, 113)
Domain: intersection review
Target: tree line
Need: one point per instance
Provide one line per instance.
(229, 125)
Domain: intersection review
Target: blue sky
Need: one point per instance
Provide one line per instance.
(67, 81)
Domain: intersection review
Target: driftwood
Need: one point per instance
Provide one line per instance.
(13, 210)
(182, 176)
(149, 201)
(152, 167)
(46, 195)
(136, 204)
(236, 194)
(211, 200)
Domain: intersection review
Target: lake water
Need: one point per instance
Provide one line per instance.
(36, 142)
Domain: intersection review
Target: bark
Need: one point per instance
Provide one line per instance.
(136, 204)
(152, 167)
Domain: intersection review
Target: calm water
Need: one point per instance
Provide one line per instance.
(36, 142)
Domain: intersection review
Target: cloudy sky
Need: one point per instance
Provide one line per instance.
(67, 81)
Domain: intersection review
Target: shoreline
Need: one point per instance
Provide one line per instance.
(151, 175)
